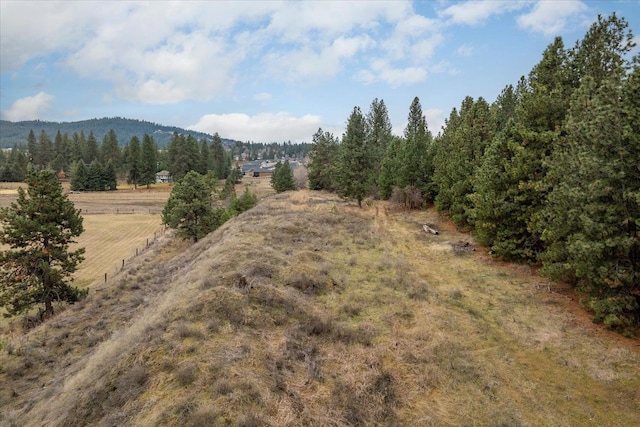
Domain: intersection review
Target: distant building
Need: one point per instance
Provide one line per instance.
(163, 176)
(262, 168)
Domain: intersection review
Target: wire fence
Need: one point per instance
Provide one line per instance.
(146, 245)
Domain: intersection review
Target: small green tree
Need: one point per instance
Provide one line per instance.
(148, 161)
(282, 178)
(323, 159)
(189, 208)
(79, 174)
(38, 228)
(354, 165)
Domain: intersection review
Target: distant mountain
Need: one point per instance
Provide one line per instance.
(17, 132)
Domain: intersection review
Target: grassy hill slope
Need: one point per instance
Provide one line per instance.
(309, 311)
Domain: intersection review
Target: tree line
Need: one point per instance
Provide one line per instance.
(548, 174)
(95, 166)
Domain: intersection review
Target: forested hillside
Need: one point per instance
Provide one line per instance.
(12, 133)
(548, 174)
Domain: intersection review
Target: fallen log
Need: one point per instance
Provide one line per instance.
(428, 229)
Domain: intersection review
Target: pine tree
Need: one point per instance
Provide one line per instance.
(134, 161)
(189, 209)
(379, 136)
(45, 151)
(95, 177)
(148, 161)
(416, 169)
(204, 161)
(508, 190)
(38, 228)
(110, 177)
(220, 161)
(110, 150)
(354, 164)
(458, 153)
(32, 147)
(389, 176)
(590, 220)
(282, 178)
(91, 149)
(79, 173)
(323, 159)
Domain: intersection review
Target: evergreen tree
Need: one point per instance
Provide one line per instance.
(592, 215)
(91, 149)
(38, 228)
(379, 136)
(416, 169)
(95, 177)
(389, 176)
(32, 147)
(323, 159)
(134, 161)
(44, 152)
(221, 163)
(189, 209)
(148, 161)
(110, 177)
(458, 153)
(282, 178)
(79, 176)
(110, 150)
(77, 148)
(204, 161)
(507, 187)
(354, 165)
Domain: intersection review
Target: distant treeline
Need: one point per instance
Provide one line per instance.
(73, 154)
(12, 133)
(548, 174)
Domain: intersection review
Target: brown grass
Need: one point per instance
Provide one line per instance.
(309, 311)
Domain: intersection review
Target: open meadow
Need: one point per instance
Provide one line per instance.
(307, 310)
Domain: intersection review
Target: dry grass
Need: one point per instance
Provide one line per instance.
(309, 311)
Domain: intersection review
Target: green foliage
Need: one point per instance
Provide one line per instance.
(458, 153)
(79, 173)
(189, 208)
(148, 161)
(237, 205)
(38, 228)
(323, 159)
(133, 161)
(507, 186)
(282, 178)
(354, 172)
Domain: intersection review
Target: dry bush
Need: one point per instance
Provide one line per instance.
(186, 374)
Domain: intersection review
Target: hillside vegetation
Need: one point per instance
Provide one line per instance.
(307, 310)
(12, 133)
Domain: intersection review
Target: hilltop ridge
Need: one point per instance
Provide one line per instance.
(307, 310)
(16, 132)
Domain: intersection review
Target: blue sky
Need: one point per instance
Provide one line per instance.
(273, 71)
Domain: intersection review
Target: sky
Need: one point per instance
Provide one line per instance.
(274, 71)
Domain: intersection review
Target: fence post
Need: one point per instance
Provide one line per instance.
(105, 277)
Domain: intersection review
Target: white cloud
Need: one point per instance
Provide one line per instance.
(262, 96)
(28, 108)
(477, 12)
(309, 63)
(263, 127)
(550, 18)
(465, 50)
(382, 71)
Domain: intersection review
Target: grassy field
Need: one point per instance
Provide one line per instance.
(307, 310)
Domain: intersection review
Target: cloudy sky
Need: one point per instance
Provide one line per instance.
(273, 70)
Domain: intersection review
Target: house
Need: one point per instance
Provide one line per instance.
(163, 176)
(262, 168)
